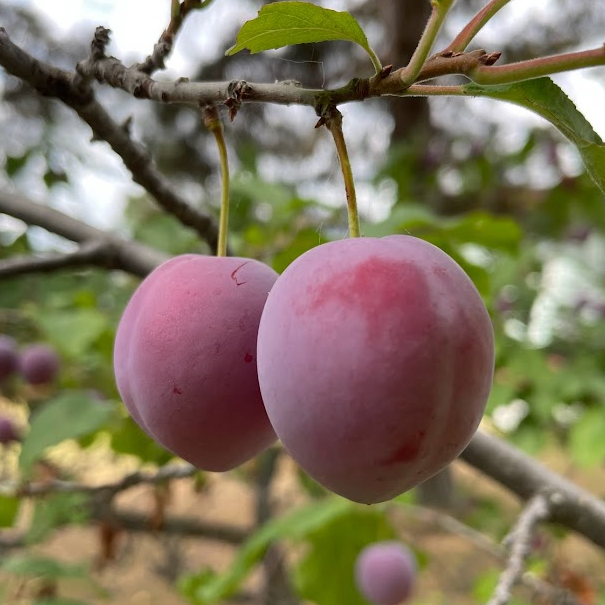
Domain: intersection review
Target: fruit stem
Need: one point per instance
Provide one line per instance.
(213, 122)
(332, 118)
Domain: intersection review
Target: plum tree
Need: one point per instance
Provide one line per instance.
(39, 364)
(9, 358)
(385, 572)
(185, 358)
(8, 433)
(375, 362)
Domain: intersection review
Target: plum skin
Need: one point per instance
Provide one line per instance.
(39, 364)
(385, 572)
(185, 358)
(375, 361)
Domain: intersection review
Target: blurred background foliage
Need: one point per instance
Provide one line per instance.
(507, 198)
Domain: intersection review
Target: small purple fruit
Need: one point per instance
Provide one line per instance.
(7, 431)
(9, 359)
(385, 572)
(39, 364)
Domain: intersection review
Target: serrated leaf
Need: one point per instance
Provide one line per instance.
(285, 23)
(207, 588)
(68, 416)
(544, 97)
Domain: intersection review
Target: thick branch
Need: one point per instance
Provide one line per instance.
(92, 253)
(131, 257)
(571, 505)
(187, 527)
(76, 92)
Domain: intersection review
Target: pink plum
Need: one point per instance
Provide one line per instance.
(375, 362)
(185, 358)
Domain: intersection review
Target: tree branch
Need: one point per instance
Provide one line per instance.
(570, 505)
(445, 522)
(188, 527)
(95, 253)
(128, 256)
(537, 509)
(76, 92)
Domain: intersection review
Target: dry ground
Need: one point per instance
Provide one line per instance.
(145, 564)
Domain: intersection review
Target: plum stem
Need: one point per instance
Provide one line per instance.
(332, 118)
(213, 122)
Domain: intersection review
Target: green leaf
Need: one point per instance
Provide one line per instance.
(130, 439)
(334, 548)
(54, 511)
(207, 588)
(36, 566)
(544, 97)
(586, 439)
(285, 23)
(9, 507)
(68, 416)
(73, 330)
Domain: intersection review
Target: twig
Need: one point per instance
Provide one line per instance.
(439, 11)
(75, 92)
(187, 527)
(519, 542)
(108, 490)
(570, 505)
(277, 589)
(163, 48)
(129, 256)
(482, 542)
(474, 26)
(97, 253)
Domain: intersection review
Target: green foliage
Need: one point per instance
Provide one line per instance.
(128, 438)
(37, 566)
(334, 546)
(286, 23)
(73, 331)
(54, 511)
(207, 587)
(587, 446)
(67, 416)
(544, 97)
(9, 507)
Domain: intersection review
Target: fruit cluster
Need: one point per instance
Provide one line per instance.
(370, 359)
(36, 363)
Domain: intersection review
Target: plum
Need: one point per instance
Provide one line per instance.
(385, 572)
(8, 432)
(185, 358)
(39, 364)
(375, 362)
(9, 358)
